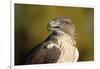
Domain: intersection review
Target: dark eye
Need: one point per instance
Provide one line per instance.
(63, 22)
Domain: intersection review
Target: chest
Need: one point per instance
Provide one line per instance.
(65, 44)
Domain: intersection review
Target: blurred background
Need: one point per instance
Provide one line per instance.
(31, 28)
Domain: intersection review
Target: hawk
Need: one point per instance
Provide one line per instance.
(59, 47)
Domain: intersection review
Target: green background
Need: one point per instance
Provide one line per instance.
(31, 28)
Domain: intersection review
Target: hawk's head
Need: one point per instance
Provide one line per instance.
(62, 24)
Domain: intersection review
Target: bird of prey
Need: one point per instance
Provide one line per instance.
(59, 47)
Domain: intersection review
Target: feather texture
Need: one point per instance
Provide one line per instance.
(59, 47)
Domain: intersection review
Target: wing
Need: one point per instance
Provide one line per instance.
(53, 55)
(48, 54)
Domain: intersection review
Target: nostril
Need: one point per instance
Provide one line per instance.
(52, 23)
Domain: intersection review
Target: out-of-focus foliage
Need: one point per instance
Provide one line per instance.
(31, 28)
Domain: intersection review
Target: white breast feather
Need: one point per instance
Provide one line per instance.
(69, 52)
